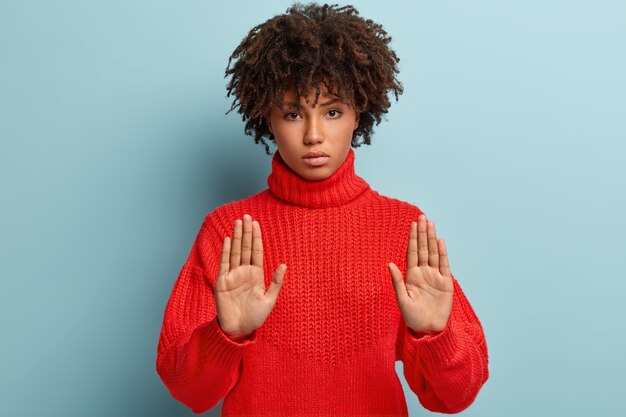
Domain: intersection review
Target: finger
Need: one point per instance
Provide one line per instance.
(444, 266)
(422, 241)
(399, 286)
(235, 247)
(411, 250)
(433, 252)
(224, 263)
(246, 241)
(277, 282)
(257, 244)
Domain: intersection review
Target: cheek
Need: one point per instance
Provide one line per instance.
(286, 130)
(348, 128)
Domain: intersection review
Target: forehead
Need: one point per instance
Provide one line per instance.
(291, 91)
(289, 96)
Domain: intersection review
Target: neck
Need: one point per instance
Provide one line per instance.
(339, 188)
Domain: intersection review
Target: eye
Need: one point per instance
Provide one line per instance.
(291, 116)
(334, 114)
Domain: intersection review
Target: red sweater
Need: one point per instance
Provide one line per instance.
(330, 344)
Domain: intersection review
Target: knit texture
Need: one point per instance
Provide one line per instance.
(329, 346)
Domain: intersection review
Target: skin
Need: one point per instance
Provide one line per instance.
(299, 128)
(425, 297)
(242, 301)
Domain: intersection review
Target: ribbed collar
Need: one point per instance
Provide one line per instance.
(338, 189)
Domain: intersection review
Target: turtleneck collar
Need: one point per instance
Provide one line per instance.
(340, 188)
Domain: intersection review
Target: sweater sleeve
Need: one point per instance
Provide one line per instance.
(196, 361)
(446, 370)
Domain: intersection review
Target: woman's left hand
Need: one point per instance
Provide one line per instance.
(425, 299)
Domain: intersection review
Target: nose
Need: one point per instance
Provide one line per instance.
(314, 132)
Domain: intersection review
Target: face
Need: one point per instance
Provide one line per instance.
(300, 129)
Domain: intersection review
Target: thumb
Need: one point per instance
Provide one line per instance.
(277, 282)
(398, 283)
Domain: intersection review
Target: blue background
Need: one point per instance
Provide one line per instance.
(510, 135)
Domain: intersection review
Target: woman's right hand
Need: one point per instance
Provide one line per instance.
(241, 300)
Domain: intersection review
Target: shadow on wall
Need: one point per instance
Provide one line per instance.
(226, 166)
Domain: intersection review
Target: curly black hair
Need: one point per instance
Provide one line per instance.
(309, 45)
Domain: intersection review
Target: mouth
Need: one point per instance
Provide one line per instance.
(315, 154)
(316, 161)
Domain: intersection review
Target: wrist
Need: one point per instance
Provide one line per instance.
(235, 337)
(421, 333)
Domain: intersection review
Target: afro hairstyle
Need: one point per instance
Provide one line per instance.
(309, 45)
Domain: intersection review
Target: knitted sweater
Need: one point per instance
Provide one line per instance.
(330, 344)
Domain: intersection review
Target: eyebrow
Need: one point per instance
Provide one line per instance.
(295, 105)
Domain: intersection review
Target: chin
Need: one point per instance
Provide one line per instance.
(318, 175)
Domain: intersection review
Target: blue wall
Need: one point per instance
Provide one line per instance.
(114, 145)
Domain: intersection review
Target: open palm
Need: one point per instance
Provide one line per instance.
(425, 298)
(241, 299)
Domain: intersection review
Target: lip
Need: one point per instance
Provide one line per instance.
(315, 154)
(317, 161)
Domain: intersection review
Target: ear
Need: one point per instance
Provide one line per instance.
(356, 120)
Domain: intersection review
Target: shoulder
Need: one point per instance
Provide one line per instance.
(398, 206)
(222, 217)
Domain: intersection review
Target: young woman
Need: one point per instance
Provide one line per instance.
(310, 316)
